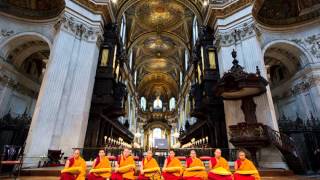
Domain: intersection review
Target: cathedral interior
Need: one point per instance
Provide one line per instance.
(162, 74)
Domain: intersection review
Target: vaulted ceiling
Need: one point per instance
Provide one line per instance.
(32, 9)
(286, 12)
(159, 34)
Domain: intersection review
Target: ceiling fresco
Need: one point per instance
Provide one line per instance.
(158, 35)
(287, 12)
(32, 9)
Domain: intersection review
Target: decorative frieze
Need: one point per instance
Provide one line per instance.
(5, 33)
(304, 85)
(16, 86)
(311, 43)
(236, 35)
(80, 29)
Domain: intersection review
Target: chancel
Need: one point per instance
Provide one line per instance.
(151, 89)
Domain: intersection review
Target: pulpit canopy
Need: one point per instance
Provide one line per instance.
(238, 84)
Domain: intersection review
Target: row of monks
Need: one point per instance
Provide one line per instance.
(125, 167)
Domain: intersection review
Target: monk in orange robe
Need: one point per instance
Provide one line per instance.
(172, 162)
(149, 168)
(195, 169)
(101, 162)
(125, 167)
(74, 162)
(218, 162)
(245, 169)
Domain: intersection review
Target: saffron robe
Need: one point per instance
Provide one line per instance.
(75, 162)
(172, 162)
(194, 175)
(246, 165)
(100, 163)
(150, 164)
(123, 162)
(219, 163)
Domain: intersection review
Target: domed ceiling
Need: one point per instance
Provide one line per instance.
(32, 9)
(158, 36)
(286, 12)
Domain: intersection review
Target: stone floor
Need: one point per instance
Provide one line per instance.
(264, 178)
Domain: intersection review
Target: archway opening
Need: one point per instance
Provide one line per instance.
(24, 60)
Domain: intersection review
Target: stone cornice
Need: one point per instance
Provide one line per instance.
(103, 8)
(216, 11)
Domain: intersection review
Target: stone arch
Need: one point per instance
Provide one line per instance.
(28, 52)
(299, 51)
(285, 64)
(16, 39)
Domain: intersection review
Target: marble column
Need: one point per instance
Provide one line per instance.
(61, 112)
(238, 31)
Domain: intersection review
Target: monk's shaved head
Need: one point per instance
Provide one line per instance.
(217, 153)
(241, 155)
(76, 153)
(102, 153)
(126, 152)
(172, 153)
(193, 154)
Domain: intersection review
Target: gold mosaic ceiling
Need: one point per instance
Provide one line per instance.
(159, 14)
(158, 35)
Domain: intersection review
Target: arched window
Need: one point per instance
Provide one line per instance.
(186, 59)
(135, 77)
(157, 133)
(130, 60)
(195, 30)
(157, 103)
(123, 29)
(172, 104)
(143, 103)
(181, 78)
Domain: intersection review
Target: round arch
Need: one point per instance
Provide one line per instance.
(141, 61)
(298, 51)
(15, 40)
(157, 124)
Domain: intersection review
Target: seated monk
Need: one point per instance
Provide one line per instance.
(125, 167)
(75, 168)
(101, 168)
(219, 167)
(149, 168)
(245, 169)
(172, 168)
(195, 169)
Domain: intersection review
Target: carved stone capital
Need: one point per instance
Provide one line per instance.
(80, 29)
